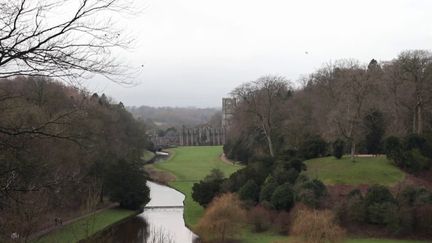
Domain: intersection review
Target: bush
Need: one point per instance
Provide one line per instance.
(249, 191)
(267, 191)
(356, 207)
(412, 155)
(378, 194)
(282, 222)
(204, 191)
(296, 164)
(313, 226)
(313, 147)
(374, 128)
(240, 177)
(283, 197)
(380, 205)
(338, 148)
(222, 220)
(382, 213)
(260, 218)
(310, 192)
(126, 184)
(393, 148)
(414, 141)
(423, 218)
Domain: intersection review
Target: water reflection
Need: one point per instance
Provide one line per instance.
(159, 223)
(134, 230)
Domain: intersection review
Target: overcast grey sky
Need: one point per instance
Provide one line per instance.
(195, 52)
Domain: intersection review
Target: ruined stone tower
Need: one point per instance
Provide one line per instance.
(228, 108)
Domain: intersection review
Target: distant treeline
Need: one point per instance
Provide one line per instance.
(166, 117)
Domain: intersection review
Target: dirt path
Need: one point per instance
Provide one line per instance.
(226, 160)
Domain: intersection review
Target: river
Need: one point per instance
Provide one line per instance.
(161, 222)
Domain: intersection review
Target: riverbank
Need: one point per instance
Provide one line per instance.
(190, 165)
(88, 226)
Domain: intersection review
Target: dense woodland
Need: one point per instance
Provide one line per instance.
(345, 100)
(62, 150)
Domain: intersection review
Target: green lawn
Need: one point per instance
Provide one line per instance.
(189, 165)
(194, 163)
(373, 170)
(86, 227)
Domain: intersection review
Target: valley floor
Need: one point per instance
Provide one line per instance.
(191, 164)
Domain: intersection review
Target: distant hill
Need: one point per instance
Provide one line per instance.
(164, 117)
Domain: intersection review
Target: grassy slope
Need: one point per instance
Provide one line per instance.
(375, 170)
(85, 227)
(190, 164)
(148, 155)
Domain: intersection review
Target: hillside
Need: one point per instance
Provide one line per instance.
(366, 170)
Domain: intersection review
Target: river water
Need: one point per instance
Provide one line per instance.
(161, 222)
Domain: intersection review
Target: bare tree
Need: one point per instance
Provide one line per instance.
(60, 38)
(263, 100)
(416, 67)
(351, 86)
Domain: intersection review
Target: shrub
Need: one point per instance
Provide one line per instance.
(313, 226)
(260, 218)
(310, 192)
(222, 220)
(296, 164)
(283, 197)
(414, 141)
(267, 191)
(418, 161)
(240, 177)
(423, 218)
(356, 207)
(378, 194)
(338, 148)
(204, 191)
(374, 128)
(126, 184)
(380, 205)
(281, 175)
(249, 191)
(313, 147)
(382, 213)
(282, 222)
(393, 148)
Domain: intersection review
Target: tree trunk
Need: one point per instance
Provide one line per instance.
(268, 137)
(270, 145)
(419, 119)
(352, 150)
(223, 233)
(101, 195)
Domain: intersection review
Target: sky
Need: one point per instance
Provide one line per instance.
(194, 52)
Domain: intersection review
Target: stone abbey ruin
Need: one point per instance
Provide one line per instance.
(203, 135)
